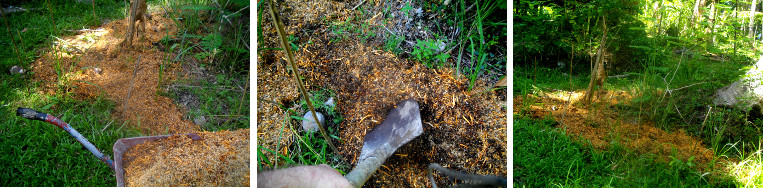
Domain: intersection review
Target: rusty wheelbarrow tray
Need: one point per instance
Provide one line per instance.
(120, 146)
(123, 144)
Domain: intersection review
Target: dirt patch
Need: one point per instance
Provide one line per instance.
(462, 131)
(76, 58)
(217, 159)
(604, 125)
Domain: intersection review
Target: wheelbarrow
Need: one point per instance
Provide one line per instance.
(120, 146)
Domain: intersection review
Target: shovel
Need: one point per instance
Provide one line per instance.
(403, 124)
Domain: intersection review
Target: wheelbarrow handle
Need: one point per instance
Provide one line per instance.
(35, 115)
(31, 114)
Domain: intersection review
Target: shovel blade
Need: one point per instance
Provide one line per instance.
(403, 124)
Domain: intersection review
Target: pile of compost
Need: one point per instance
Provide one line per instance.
(211, 159)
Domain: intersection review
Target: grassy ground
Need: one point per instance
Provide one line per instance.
(311, 148)
(34, 28)
(39, 154)
(545, 155)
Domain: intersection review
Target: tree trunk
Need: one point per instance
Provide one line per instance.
(659, 22)
(752, 19)
(695, 14)
(598, 75)
(713, 19)
(736, 11)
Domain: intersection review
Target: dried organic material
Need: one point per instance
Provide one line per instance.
(462, 131)
(217, 159)
(604, 125)
(154, 114)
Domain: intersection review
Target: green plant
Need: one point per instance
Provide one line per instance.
(392, 42)
(406, 8)
(428, 52)
(211, 46)
(294, 47)
(189, 15)
(318, 98)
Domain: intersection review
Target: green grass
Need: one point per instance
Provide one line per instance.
(748, 172)
(545, 156)
(221, 47)
(311, 148)
(40, 154)
(220, 101)
(480, 43)
(38, 26)
(619, 167)
(36, 153)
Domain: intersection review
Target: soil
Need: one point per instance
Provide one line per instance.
(603, 124)
(217, 159)
(463, 131)
(150, 112)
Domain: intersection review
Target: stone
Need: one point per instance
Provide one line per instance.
(745, 94)
(200, 120)
(17, 70)
(311, 125)
(330, 102)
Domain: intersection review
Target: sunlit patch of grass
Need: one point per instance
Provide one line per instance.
(748, 172)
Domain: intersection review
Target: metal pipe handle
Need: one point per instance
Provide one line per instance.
(35, 115)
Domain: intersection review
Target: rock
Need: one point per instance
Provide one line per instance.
(330, 102)
(744, 94)
(311, 126)
(200, 120)
(17, 70)
(12, 9)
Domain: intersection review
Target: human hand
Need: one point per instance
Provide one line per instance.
(303, 176)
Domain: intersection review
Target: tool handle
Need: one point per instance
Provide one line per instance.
(35, 115)
(366, 167)
(30, 114)
(481, 180)
(360, 174)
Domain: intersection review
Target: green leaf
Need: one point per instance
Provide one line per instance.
(300, 118)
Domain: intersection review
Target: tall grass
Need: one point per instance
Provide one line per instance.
(749, 171)
(309, 148)
(545, 156)
(215, 34)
